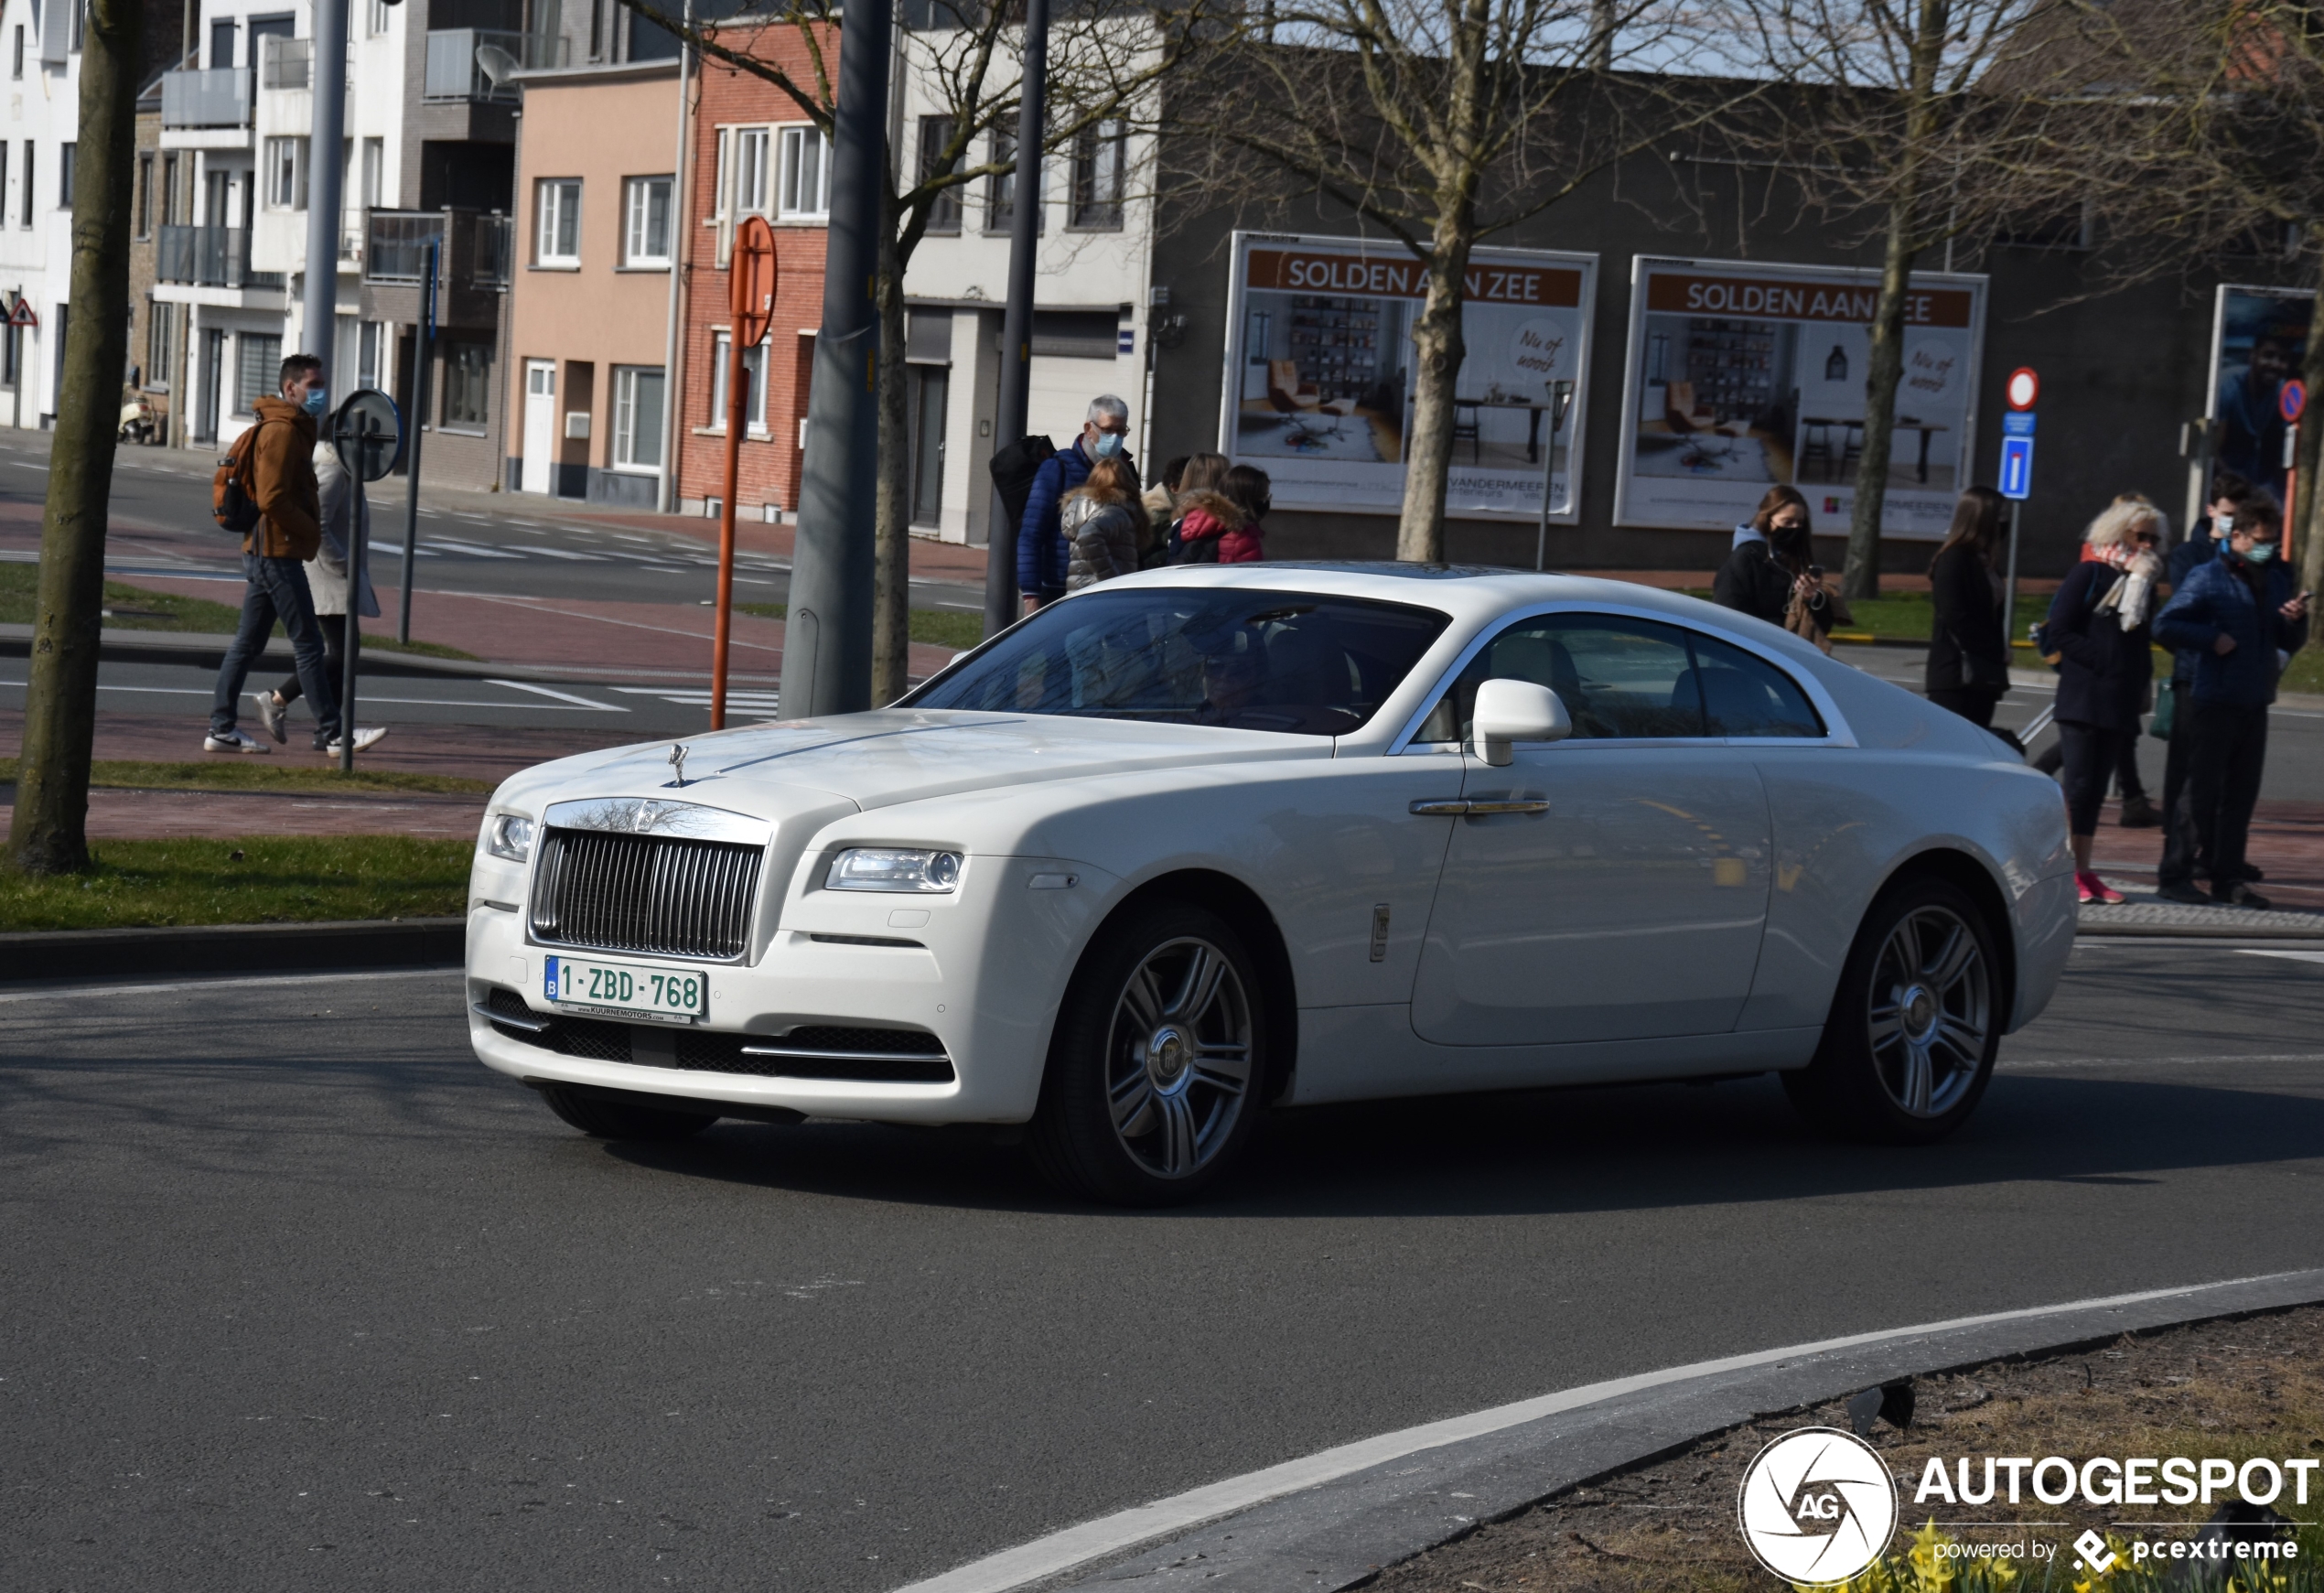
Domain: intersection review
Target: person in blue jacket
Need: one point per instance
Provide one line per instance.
(1041, 540)
(2239, 618)
(2204, 538)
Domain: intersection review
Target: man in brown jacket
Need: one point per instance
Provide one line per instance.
(289, 533)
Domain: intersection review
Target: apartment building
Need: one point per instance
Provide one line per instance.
(43, 56)
(590, 316)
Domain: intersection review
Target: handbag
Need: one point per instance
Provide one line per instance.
(1798, 619)
(2166, 711)
(1978, 672)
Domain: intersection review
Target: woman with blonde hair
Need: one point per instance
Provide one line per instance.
(1104, 525)
(2100, 624)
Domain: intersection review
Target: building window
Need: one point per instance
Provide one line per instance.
(1000, 188)
(636, 417)
(645, 229)
(64, 175)
(1100, 155)
(286, 174)
(161, 344)
(375, 17)
(557, 204)
(467, 379)
(371, 355)
(806, 175)
(79, 21)
(374, 171)
(258, 360)
(15, 69)
(754, 365)
(749, 198)
(145, 195)
(25, 214)
(945, 209)
(168, 189)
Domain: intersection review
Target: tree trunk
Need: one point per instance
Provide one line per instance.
(1438, 350)
(892, 504)
(50, 832)
(1861, 576)
(2309, 456)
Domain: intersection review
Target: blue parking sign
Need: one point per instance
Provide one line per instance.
(2017, 467)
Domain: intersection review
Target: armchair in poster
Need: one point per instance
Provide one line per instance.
(1318, 385)
(1741, 376)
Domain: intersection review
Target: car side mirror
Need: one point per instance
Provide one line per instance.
(1511, 711)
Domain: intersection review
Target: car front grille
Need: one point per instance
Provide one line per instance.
(661, 895)
(877, 1056)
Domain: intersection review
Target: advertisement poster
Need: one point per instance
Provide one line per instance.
(2259, 335)
(1740, 376)
(1319, 374)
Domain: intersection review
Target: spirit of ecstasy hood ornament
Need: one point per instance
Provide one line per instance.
(678, 763)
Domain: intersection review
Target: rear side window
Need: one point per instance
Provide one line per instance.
(1625, 679)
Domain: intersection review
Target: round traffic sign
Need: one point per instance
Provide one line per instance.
(2291, 399)
(753, 280)
(2024, 387)
(368, 432)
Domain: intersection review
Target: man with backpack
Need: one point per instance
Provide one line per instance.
(265, 489)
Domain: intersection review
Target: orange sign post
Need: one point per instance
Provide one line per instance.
(752, 284)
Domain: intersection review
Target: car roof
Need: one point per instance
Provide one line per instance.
(1467, 592)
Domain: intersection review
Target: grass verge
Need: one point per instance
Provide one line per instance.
(931, 627)
(241, 773)
(2230, 1390)
(129, 607)
(265, 879)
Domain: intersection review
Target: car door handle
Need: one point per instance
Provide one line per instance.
(1456, 808)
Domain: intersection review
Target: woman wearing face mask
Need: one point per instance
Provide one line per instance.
(2101, 624)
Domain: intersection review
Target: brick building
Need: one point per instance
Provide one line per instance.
(753, 153)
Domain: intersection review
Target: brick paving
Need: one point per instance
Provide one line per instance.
(2287, 842)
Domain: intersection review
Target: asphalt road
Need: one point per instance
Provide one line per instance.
(300, 1296)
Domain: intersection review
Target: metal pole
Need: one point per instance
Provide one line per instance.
(666, 491)
(2009, 584)
(423, 335)
(826, 657)
(1017, 324)
(737, 417)
(358, 552)
(329, 70)
(1561, 397)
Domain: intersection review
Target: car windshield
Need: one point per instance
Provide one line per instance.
(1293, 662)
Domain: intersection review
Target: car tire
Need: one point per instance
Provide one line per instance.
(1915, 1025)
(621, 1114)
(1155, 1067)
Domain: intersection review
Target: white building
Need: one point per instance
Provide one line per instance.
(43, 48)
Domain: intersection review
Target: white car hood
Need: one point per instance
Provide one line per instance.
(879, 759)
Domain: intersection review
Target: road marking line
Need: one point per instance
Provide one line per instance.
(77, 990)
(368, 700)
(1124, 1530)
(558, 552)
(561, 697)
(2287, 957)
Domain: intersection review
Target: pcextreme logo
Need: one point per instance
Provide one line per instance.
(1817, 1505)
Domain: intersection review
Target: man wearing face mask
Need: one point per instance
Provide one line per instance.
(275, 555)
(1041, 549)
(2204, 538)
(2239, 618)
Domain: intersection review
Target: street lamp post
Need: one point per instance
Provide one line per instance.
(1016, 323)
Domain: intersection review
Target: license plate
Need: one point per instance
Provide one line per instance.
(667, 994)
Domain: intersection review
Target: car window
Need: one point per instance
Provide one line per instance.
(1743, 696)
(1293, 662)
(1632, 680)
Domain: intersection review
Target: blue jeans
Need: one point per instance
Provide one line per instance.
(277, 590)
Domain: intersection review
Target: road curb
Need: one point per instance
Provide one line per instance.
(233, 948)
(2100, 932)
(1381, 1502)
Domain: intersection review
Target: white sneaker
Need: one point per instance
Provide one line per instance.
(363, 739)
(234, 741)
(270, 714)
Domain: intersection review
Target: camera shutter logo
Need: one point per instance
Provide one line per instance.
(1817, 1505)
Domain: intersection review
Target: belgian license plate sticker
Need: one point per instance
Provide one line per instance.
(664, 993)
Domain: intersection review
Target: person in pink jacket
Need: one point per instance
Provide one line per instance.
(1248, 489)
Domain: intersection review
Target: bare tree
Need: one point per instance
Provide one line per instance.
(1106, 65)
(49, 834)
(1921, 121)
(1443, 122)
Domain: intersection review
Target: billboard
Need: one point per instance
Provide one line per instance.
(2259, 336)
(1319, 374)
(1740, 376)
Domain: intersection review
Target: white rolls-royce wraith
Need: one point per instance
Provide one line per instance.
(1209, 840)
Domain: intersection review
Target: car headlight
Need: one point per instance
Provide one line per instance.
(893, 869)
(510, 837)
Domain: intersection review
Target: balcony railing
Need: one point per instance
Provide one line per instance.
(210, 99)
(493, 258)
(209, 257)
(453, 72)
(478, 248)
(397, 250)
(289, 63)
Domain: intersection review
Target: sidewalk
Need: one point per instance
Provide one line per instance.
(2286, 840)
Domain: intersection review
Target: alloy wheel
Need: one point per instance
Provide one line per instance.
(1179, 1057)
(1930, 1015)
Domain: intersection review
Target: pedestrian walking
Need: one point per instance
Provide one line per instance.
(2241, 619)
(1248, 489)
(1041, 556)
(1774, 577)
(1968, 667)
(1104, 525)
(2230, 492)
(327, 580)
(281, 482)
(2101, 623)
